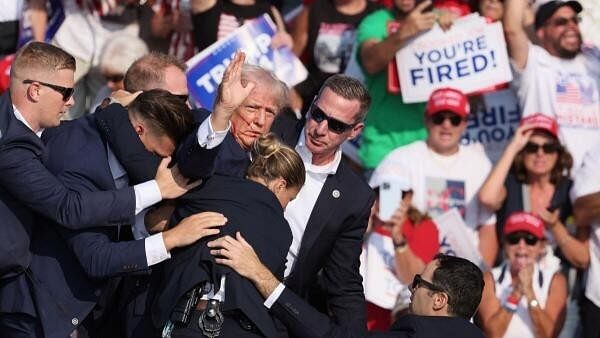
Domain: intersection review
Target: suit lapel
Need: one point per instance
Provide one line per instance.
(330, 198)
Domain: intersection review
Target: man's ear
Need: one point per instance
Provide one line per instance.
(356, 130)
(33, 92)
(440, 301)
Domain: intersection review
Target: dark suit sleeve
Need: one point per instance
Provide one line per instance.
(341, 278)
(24, 176)
(196, 162)
(100, 257)
(302, 320)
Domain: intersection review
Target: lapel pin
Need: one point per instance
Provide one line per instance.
(335, 193)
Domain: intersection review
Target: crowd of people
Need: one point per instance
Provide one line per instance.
(129, 211)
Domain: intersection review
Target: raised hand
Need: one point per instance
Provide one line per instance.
(418, 20)
(522, 136)
(193, 228)
(232, 92)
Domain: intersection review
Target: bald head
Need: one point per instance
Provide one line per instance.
(156, 70)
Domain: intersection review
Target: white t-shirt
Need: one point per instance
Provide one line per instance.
(442, 182)
(11, 10)
(520, 325)
(567, 89)
(587, 181)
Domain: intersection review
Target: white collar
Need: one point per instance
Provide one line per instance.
(21, 118)
(329, 168)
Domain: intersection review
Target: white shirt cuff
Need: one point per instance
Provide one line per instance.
(274, 296)
(146, 195)
(139, 227)
(209, 138)
(156, 251)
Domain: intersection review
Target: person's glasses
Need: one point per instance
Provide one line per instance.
(516, 237)
(114, 77)
(438, 119)
(419, 281)
(66, 92)
(548, 148)
(559, 22)
(334, 125)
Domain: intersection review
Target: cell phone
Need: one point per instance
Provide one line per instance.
(390, 196)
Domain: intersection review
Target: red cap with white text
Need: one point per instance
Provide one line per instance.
(541, 121)
(447, 99)
(524, 221)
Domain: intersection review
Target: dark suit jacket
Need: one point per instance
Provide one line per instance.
(26, 185)
(251, 209)
(332, 241)
(78, 157)
(304, 321)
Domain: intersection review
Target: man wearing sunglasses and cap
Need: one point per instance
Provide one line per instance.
(446, 174)
(523, 298)
(560, 77)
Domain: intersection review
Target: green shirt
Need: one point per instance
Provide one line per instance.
(390, 122)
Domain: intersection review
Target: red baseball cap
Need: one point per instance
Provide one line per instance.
(543, 122)
(447, 99)
(524, 221)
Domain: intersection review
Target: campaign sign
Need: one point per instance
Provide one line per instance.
(380, 283)
(55, 19)
(455, 239)
(469, 57)
(205, 70)
(494, 124)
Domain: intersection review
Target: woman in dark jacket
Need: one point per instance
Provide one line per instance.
(254, 207)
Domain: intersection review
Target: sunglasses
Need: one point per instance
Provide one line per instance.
(114, 77)
(66, 92)
(455, 120)
(419, 281)
(333, 124)
(548, 148)
(515, 238)
(559, 22)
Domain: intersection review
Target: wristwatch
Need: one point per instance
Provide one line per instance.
(401, 245)
(534, 303)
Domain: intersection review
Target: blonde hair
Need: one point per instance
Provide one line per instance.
(39, 57)
(272, 159)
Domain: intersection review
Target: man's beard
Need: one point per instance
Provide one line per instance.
(564, 53)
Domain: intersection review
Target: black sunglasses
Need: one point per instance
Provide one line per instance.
(559, 22)
(334, 125)
(114, 77)
(419, 281)
(439, 119)
(548, 148)
(66, 92)
(515, 238)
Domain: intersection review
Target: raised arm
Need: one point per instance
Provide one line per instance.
(514, 31)
(493, 192)
(376, 54)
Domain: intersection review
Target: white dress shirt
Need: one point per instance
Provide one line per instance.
(21, 118)
(298, 210)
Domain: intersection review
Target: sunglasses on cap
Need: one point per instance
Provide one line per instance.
(559, 22)
(419, 281)
(516, 237)
(333, 124)
(548, 148)
(439, 118)
(66, 92)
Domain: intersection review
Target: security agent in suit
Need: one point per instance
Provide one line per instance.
(41, 90)
(329, 216)
(444, 297)
(253, 206)
(82, 160)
